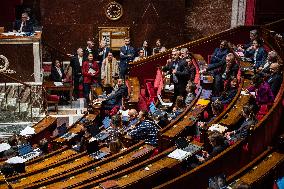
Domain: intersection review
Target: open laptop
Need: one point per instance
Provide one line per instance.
(164, 103)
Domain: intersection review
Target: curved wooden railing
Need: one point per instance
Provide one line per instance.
(236, 35)
(233, 158)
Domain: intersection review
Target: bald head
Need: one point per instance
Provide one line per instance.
(274, 67)
(132, 114)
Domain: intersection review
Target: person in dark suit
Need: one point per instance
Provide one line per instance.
(253, 35)
(257, 53)
(243, 131)
(145, 48)
(126, 55)
(115, 98)
(179, 74)
(218, 143)
(76, 64)
(184, 54)
(220, 53)
(89, 50)
(275, 79)
(23, 25)
(102, 52)
(57, 73)
(217, 70)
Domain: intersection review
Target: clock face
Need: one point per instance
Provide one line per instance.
(114, 11)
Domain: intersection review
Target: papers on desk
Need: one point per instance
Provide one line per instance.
(179, 154)
(217, 127)
(15, 160)
(252, 93)
(27, 131)
(57, 84)
(4, 146)
(241, 54)
(9, 34)
(169, 87)
(244, 93)
(203, 102)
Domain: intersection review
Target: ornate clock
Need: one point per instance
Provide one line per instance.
(114, 10)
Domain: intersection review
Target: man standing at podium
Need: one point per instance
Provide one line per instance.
(126, 55)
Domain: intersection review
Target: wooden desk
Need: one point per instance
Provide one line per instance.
(233, 116)
(41, 176)
(43, 129)
(24, 57)
(77, 127)
(134, 92)
(189, 119)
(49, 85)
(255, 176)
(41, 166)
(104, 169)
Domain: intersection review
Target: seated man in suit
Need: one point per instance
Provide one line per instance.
(257, 53)
(275, 79)
(23, 25)
(220, 53)
(115, 98)
(243, 131)
(57, 73)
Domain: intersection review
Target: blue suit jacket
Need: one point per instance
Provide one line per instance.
(260, 56)
(124, 55)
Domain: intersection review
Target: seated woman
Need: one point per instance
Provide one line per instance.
(140, 55)
(257, 53)
(262, 90)
(220, 53)
(190, 89)
(146, 130)
(218, 143)
(243, 130)
(57, 73)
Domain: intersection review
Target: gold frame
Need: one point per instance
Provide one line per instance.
(114, 36)
(117, 4)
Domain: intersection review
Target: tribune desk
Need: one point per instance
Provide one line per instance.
(21, 57)
(50, 86)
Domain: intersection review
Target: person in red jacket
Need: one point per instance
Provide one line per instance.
(91, 72)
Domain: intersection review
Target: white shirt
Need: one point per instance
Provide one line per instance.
(80, 60)
(59, 71)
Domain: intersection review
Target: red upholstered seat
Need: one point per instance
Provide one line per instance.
(209, 58)
(197, 75)
(53, 98)
(263, 110)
